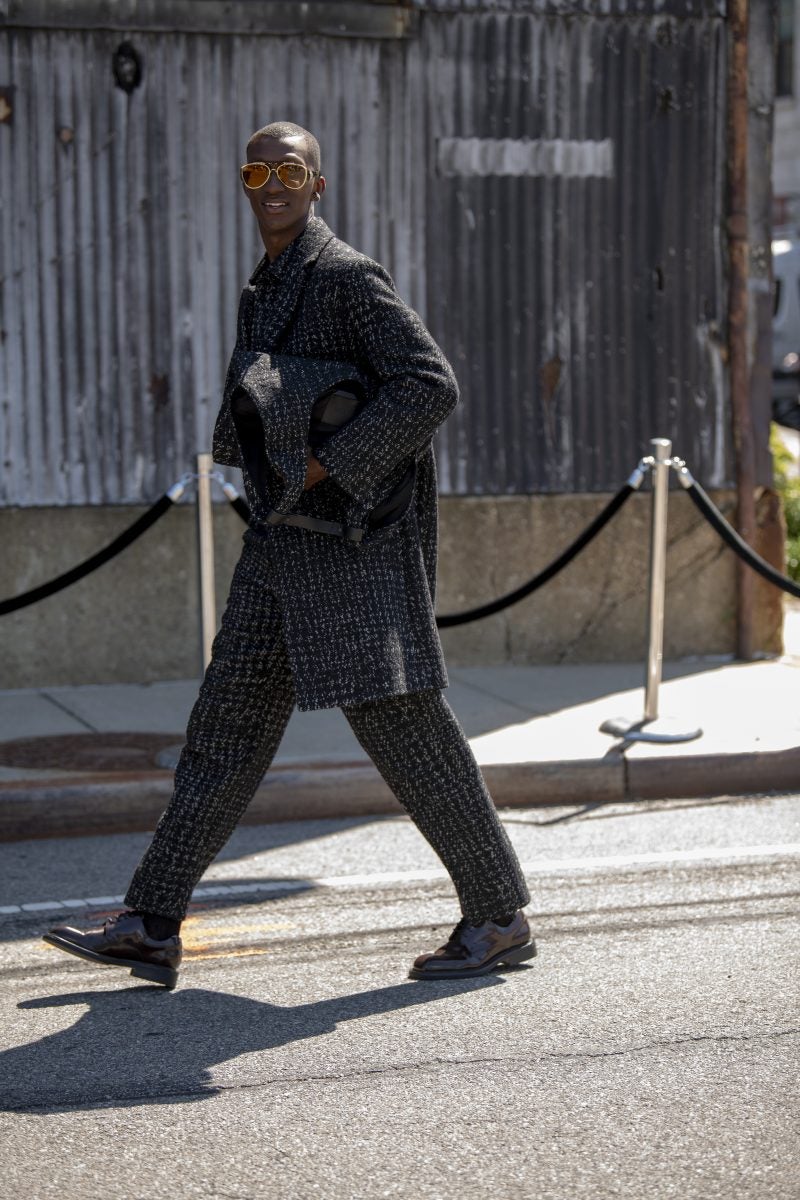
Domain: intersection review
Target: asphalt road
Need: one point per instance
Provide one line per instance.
(651, 1050)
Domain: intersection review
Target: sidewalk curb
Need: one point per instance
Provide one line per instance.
(116, 802)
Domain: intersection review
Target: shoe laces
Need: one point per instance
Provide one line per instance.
(455, 942)
(128, 912)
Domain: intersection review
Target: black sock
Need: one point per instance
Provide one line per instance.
(505, 919)
(160, 928)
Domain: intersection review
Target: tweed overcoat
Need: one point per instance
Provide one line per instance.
(358, 619)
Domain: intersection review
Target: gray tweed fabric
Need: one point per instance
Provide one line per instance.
(236, 726)
(358, 619)
(317, 621)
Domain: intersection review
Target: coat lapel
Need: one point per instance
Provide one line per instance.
(263, 325)
(268, 322)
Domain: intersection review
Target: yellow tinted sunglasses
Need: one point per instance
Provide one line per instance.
(291, 174)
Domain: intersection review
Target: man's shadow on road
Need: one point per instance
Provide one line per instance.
(144, 1045)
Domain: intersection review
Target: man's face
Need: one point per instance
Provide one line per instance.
(281, 212)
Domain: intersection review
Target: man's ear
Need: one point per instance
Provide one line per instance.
(319, 188)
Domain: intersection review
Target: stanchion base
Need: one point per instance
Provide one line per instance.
(662, 729)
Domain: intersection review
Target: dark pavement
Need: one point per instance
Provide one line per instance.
(651, 1050)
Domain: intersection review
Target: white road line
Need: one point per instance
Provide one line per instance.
(701, 854)
(540, 866)
(543, 865)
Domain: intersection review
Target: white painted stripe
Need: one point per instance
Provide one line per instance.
(378, 878)
(540, 866)
(549, 157)
(243, 889)
(544, 865)
(700, 854)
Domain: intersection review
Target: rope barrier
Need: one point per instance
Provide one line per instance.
(236, 502)
(544, 576)
(708, 509)
(120, 543)
(539, 580)
(449, 620)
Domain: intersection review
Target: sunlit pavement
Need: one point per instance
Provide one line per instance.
(650, 1050)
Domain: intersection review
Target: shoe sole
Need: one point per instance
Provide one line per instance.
(508, 958)
(166, 976)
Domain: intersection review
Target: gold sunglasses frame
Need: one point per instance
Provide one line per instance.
(272, 168)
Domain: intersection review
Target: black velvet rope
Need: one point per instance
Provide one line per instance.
(699, 498)
(140, 526)
(240, 506)
(544, 576)
(739, 546)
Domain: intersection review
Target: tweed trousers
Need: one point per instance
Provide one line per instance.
(235, 728)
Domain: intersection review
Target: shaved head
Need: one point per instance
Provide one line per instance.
(287, 131)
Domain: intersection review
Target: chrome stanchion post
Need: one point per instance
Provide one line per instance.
(660, 462)
(205, 545)
(662, 455)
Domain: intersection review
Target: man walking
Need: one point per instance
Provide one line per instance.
(331, 603)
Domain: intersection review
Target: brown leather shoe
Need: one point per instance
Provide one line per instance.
(123, 942)
(476, 950)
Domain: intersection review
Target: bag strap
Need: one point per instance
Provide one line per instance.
(350, 533)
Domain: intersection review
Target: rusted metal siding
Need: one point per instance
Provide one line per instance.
(589, 8)
(126, 246)
(579, 222)
(546, 189)
(335, 18)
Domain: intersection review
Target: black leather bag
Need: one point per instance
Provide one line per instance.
(333, 410)
(330, 412)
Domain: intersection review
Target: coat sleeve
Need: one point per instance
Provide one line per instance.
(416, 385)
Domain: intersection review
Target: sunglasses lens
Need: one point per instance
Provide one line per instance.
(254, 175)
(292, 175)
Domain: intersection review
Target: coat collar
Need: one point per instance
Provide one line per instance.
(305, 248)
(269, 319)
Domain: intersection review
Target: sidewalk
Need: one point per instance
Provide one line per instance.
(77, 760)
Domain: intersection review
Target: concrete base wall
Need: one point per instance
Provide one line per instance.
(136, 618)
(596, 609)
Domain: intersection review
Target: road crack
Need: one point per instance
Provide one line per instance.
(199, 1093)
(670, 1044)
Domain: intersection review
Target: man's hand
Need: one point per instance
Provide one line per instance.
(315, 472)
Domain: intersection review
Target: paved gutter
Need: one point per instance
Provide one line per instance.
(124, 802)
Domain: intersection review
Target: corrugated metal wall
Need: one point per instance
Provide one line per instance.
(588, 270)
(547, 190)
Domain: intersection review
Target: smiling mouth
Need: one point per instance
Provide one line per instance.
(274, 204)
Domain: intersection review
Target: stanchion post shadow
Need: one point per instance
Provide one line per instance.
(649, 727)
